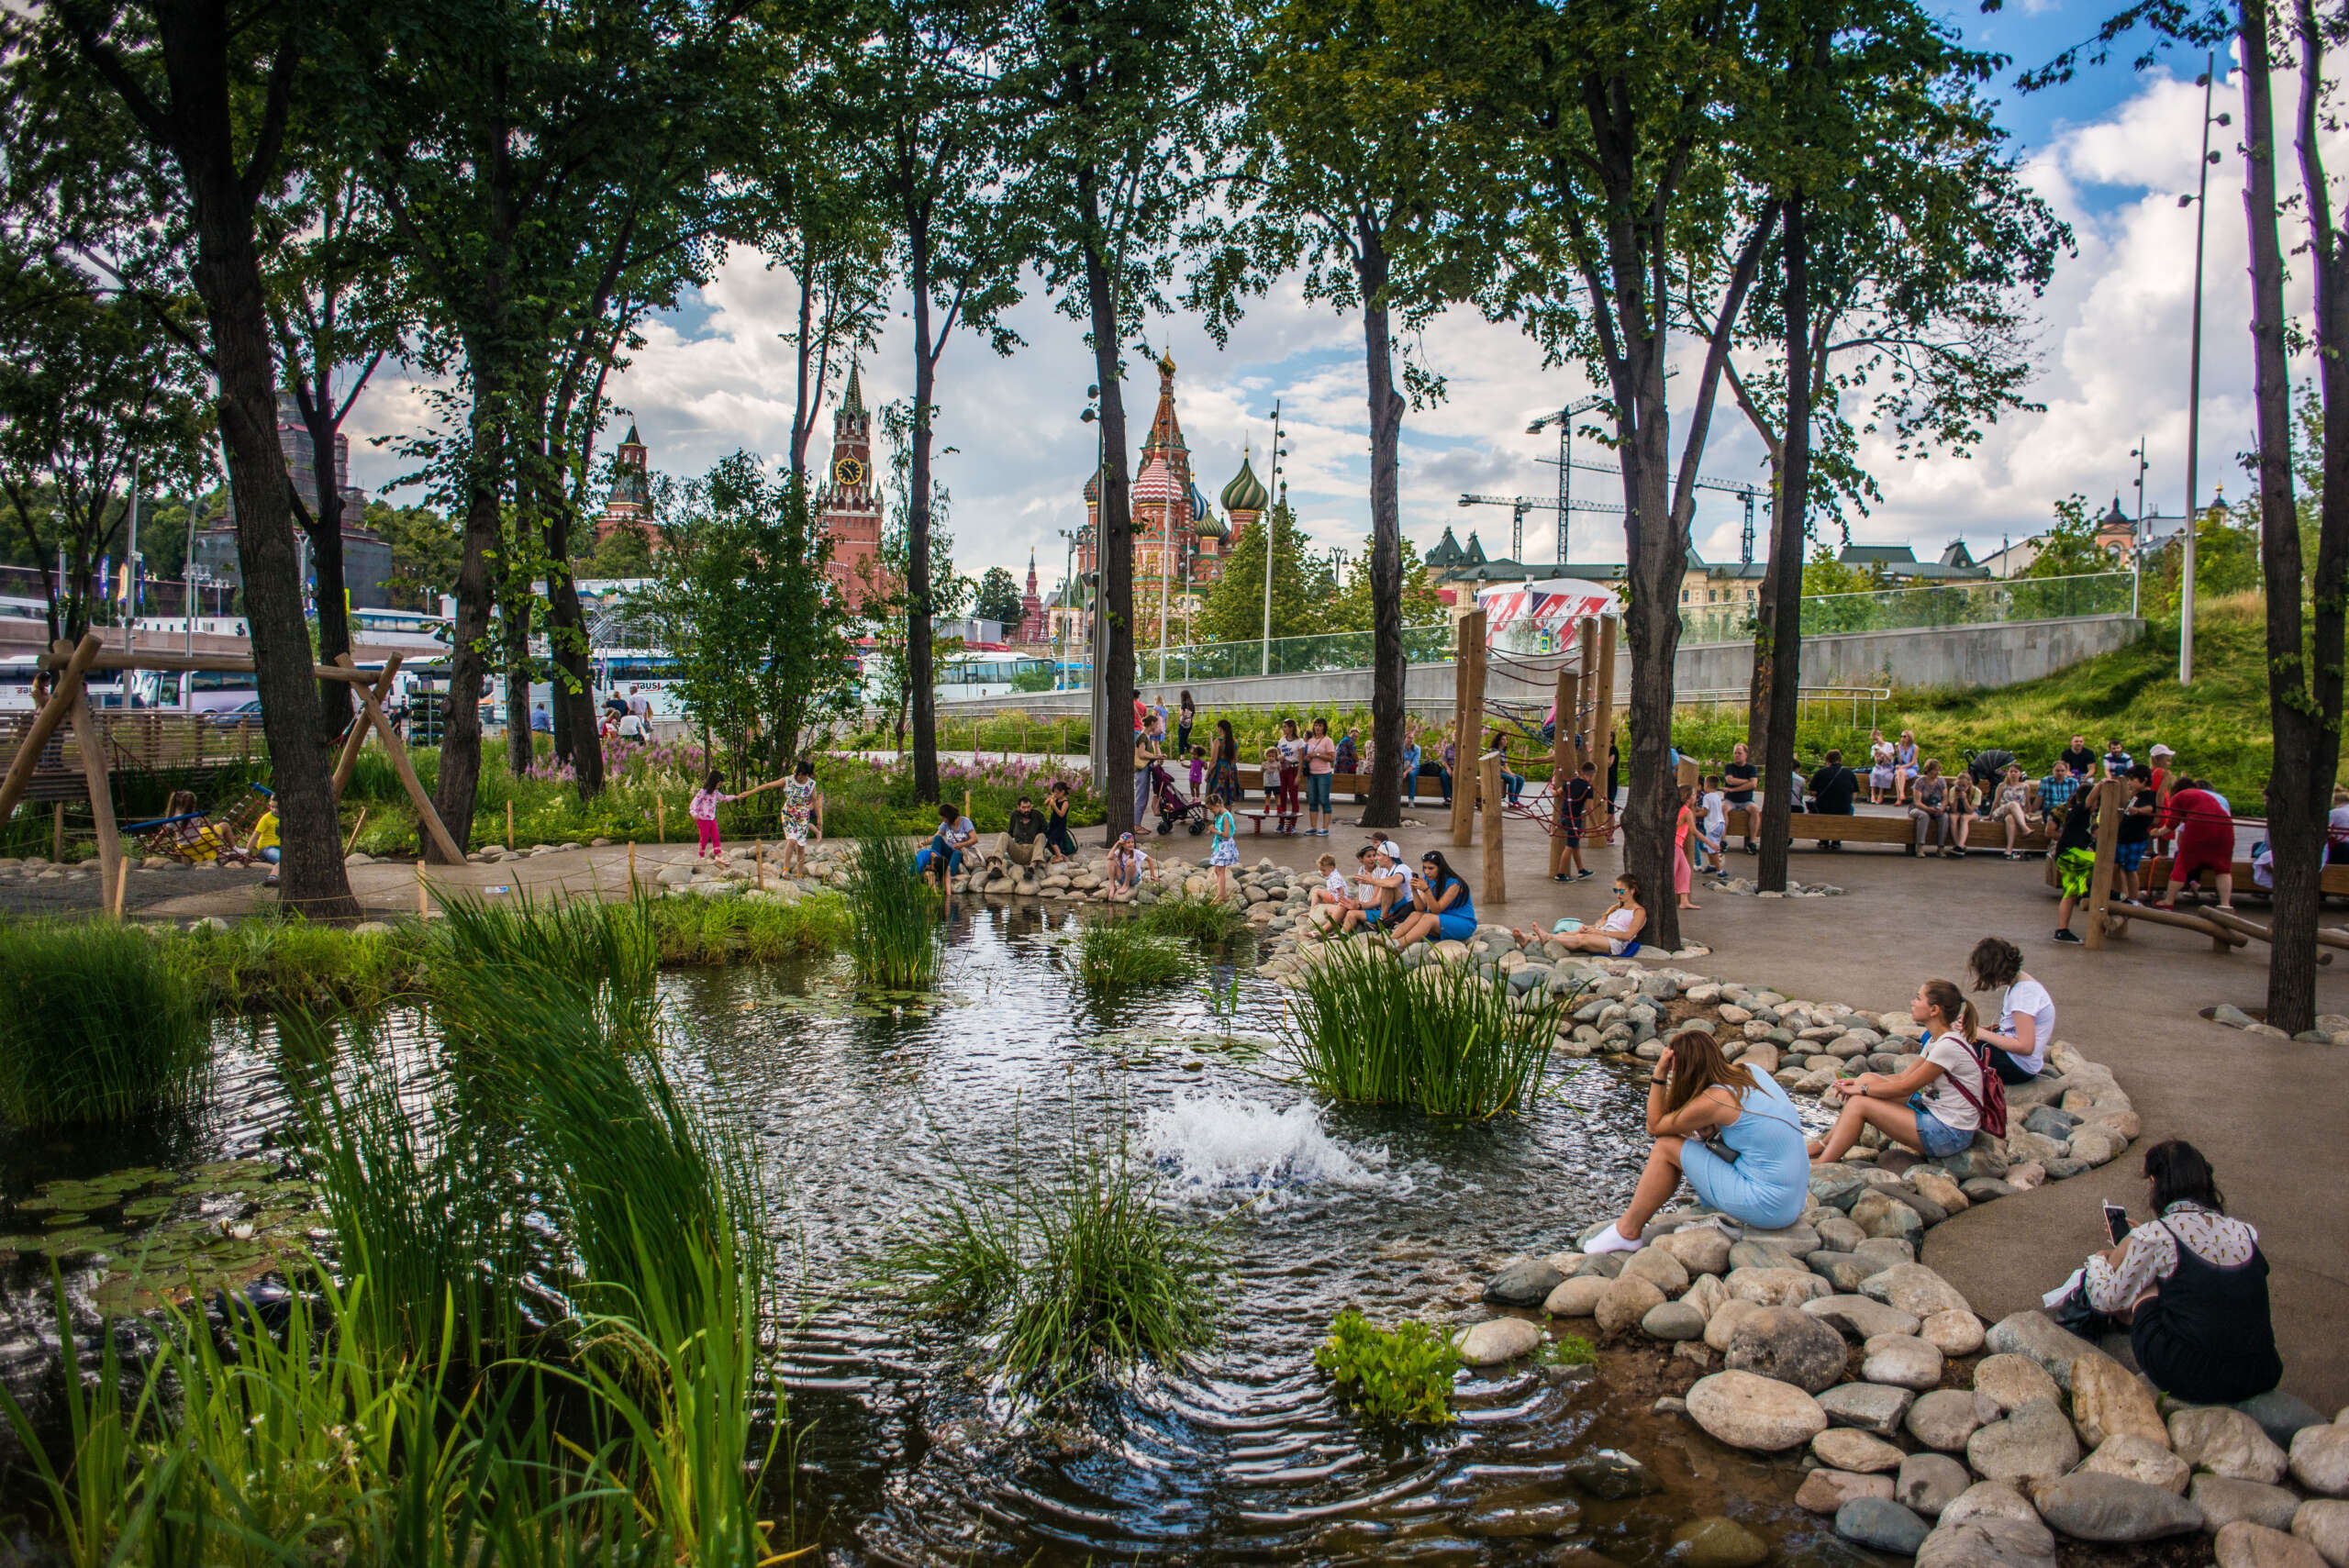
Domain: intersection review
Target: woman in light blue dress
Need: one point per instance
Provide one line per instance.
(1731, 1132)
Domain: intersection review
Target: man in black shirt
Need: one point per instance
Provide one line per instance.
(2079, 759)
(1831, 789)
(1018, 845)
(1739, 777)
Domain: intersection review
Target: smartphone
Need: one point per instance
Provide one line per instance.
(2116, 1223)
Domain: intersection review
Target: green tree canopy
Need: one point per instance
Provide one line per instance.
(999, 596)
(1305, 590)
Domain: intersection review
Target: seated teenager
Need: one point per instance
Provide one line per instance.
(1616, 932)
(2018, 1047)
(1385, 894)
(2191, 1285)
(1441, 909)
(1732, 1133)
(2011, 808)
(1933, 1108)
(1832, 788)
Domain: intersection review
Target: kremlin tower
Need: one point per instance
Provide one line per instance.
(630, 502)
(849, 506)
(1031, 607)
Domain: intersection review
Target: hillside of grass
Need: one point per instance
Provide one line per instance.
(2218, 725)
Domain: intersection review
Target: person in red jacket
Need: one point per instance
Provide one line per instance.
(2206, 841)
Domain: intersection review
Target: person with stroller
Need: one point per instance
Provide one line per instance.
(1148, 754)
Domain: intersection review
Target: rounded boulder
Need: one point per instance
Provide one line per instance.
(1748, 1411)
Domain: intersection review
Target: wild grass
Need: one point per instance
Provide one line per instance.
(606, 954)
(95, 1025)
(1064, 1280)
(284, 963)
(1363, 1026)
(739, 931)
(893, 917)
(1203, 921)
(1113, 953)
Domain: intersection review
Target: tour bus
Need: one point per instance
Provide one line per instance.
(989, 673)
(17, 672)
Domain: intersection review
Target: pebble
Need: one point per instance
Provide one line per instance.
(1914, 1289)
(1700, 1250)
(1499, 1340)
(1952, 1333)
(2281, 1415)
(1673, 1321)
(1748, 1411)
(2035, 1442)
(2227, 1442)
(1723, 1321)
(2324, 1524)
(1867, 1406)
(2321, 1460)
(2013, 1380)
(1825, 1491)
(1882, 1524)
(2108, 1399)
(1846, 1448)
(1718, 1542)
(1859, 1317)
(2223, 1501)
(2112, 1509)
(1903, 1361)
(2034, 1334)
(1659, 1268)
(1788, 1345)
(1624, 1302)
(2247, 1545)
(1928, 1483)
(1775, 1288)
(1990, 1543)
(1578, 1297)
(1525, 1283)
(2140, 1459)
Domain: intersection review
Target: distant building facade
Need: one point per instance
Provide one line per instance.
(366, 557)
(848, 502)
(629, 504)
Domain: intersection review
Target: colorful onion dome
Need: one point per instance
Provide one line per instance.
(1246, 492)
(1158, 486)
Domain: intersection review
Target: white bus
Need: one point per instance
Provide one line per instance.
(18, 672)
(990, 672)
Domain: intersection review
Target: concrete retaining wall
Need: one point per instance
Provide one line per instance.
(2002, 653)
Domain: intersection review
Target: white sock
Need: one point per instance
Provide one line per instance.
(1610, 1240)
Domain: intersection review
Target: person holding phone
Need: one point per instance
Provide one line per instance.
(1933, 1108)
(2191, 1285)
(1616, 932)
(1734, 1134)
(1441, 909)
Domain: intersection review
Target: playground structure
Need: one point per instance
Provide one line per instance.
(67, 704)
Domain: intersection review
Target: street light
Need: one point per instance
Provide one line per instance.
(2199, 201)
(1271, 517)
(1095, 751)
(2139, 536)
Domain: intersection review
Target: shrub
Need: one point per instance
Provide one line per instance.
(1396, 1375)
(1121, 952)
(1207, 920)
(893, 917)
(1363, 1026)
(94, 1025)
(283, 963)
(742, 930)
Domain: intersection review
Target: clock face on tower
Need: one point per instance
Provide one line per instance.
(849, 472)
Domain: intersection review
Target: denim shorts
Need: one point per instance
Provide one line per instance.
(1939, 1140)
(2129, 857)
(1317, 791)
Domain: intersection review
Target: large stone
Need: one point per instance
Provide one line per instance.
(1990, 1543)
(1748, 1411)
(1763, 1255)
(1496, 1340)
(2107, 1399)
(2324, 1524)
(1859, 1317)
(1886, 1525)
(2013, 1380)
(1952, 1333)
(2034, 1334)
(1990, 1500)
(1928, 1483)
(2138, 1459)
(1578, 1297)
(1879, 1213)
(2035, 1443)
(1947, 1419)
(1901, 1360)
(1624, 1303)
(1939, 1186)
(2227, 1442)
(1844, 1271)
(1673, 1320)
(2112, 1509)
(1706, 1295)
(1525, 1283)
(2223, 1502)
(2280, 1414)
(1788, 1345)
(1824, 1491)
(1701, 1248)
(1846, 1448)
(2321, 1460)
(1775, 1288)
(1612, 1475)
(1914, 1289)
(1659, 1268)
(1718, 1542)
(2247, 1545)
(1868, 1407)
(1723, 1321)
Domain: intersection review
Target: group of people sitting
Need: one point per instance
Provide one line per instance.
(2189, 1285)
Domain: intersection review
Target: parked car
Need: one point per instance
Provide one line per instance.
(243, 712)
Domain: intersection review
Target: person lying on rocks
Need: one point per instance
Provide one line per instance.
(1731, 1132)
(1617, 933)
(1931, 1109)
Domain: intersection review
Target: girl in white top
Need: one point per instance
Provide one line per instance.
(1616, 930)
(2018, 1047)
(1933, 1108)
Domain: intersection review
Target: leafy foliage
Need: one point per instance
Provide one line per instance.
(999, 597)
(1305, 589)
(1400, 1375)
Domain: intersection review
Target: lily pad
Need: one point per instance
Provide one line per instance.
(148, 1208)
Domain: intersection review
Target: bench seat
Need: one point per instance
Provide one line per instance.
(1990, 837)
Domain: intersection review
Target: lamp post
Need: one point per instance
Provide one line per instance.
(2199, 201)
(1059, 621)
(2137, 536)
(1271, 518)
(1097, 752)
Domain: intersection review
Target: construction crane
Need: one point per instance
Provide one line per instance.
(1565, 419)
(1745, 490)
(1520, 505)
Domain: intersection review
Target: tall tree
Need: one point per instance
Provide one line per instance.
(1305, 590)
(1122, 109)
(210, 88)
(1353, 162)
(999, 596)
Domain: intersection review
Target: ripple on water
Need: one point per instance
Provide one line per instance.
(1216, 1143)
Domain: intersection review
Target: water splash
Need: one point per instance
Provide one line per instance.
(1216, 1143)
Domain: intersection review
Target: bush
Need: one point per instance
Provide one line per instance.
(94, 1025)
(1207, 920)
(893, 917)
(742, 930)
(1363, 1026)
(1122, 952)
(1400, 1375)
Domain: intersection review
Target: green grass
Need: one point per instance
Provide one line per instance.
(893, 917)
(95, 1025)
(1205, 920)
(1111, 954)
(1364, 1027)
(1399, 1376)
(606, 954)
(283, 963)
(1076, 1277)
(716, 931)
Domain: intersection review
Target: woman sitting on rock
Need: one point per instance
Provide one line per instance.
(1617, 933)
(1731, 1130)
(2192, 1285)
(1934, 1106)
(1441, 909)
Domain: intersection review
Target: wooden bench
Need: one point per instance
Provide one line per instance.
(1990, 836)
(2154, 875)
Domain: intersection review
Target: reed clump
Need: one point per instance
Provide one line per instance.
(1111, 954)
(95, 1025)
(1207, 921)
(1363, 1026)
(741, 930)
(893, 917)
(283, 963)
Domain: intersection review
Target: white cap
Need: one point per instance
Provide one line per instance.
(2160, 751)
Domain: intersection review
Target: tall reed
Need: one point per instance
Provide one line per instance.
(94, 1025)
(281, 962)
(741, 930)
(606, 952)
(1363, 1026)
(1206, 920)
(1111, 954)
(893, 915)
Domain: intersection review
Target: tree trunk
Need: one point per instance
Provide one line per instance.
(801, 421)
(1652, 637)
(324, 527)
(453, 794)
(1777, 644)
(517, 639)
(921, 680)
(1383, 804)
(574, 687)
(1113, 542)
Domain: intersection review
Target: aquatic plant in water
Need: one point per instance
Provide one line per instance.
(893, 915)
(1206, 920)
(1365, 1026)
(281, 962)
(741, 930)
(1400, 1375)
(94, 1025)
(1121, 952)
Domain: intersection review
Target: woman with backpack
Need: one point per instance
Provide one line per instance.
(1934, 1107)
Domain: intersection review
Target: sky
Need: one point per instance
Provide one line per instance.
(2110, 152)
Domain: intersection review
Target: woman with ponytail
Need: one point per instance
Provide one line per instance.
(1932, 1109)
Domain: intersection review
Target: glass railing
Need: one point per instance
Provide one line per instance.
(1286, 655)
(1947, 603)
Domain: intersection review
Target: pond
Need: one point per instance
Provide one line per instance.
(865, 1110)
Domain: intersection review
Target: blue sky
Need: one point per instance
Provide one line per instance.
(2110, 151)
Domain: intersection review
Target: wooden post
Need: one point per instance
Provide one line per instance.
(1602, 723)
(631, 868)
(1488, 776)
(57, 835)
(1561, 759)
(44, 725)
(761, 847)
(426, 813)
(2109, 798)
(510, 826)
(93, 747)
(1468, 713)
(661, 817)
(121, 885)
(423, 911)
(353, 842)
(359, 726)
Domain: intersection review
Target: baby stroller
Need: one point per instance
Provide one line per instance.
(1173, 808)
